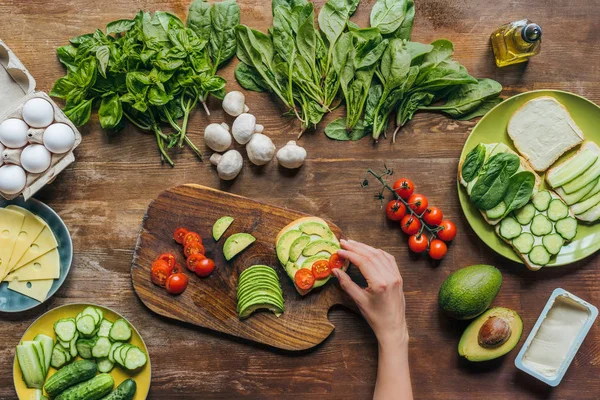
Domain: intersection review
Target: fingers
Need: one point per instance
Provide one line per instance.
(363, 263)
(380, 259)
(348, 285)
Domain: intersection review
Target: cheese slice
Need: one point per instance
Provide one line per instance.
(31, 229)
(37, 290)
(44, 267)
(43, 244)
(10, 226)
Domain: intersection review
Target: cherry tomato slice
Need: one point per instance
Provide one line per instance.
(177, 269)
(179, 235)
(176, 283)
(404, 187)
(437, 249)
(193, 248)
(205, 267)
(160, 272)
(335, 261)
(418, 203)
(169, 258)
(447, 231)
(417, 243)
(193, 260)
(191, 237)
(433, 216)
(410, 224)
(304, 279)
(321, 269)
(395, 210)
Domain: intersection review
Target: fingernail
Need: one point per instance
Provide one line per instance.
(341, 252)
(343, 241)
(335, 272)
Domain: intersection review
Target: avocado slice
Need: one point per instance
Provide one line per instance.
(264, 296)
(291, 269)
(318, 229)
(258, 281)
(256, 268)
(298, 246)
(221, 226)
(244, 292)
(320, 245)
(284, 244)
(251, 308)
(237, 243)
(491, 335)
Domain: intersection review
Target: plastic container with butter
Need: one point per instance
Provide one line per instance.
(556, 337)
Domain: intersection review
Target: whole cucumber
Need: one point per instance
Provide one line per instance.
(94, 389)
(70, 375)
(125, 391)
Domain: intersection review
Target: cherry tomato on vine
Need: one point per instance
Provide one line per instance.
(321, 269)
(433, 216)
(169, 258)
(410, 224)
(176, 283)
(205, 267)
(335, 261)
(193, 248)
(437, 249)
(404, 187)
(395, 210)
(304, 279)
(447, 231)
(160, 272)
(418, 243)
(194, 260)
(418, 203)
(191, 237)
(179, 235)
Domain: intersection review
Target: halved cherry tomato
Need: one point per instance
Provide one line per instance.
(447, 231)
(304, 279)
(176, 283)
(169, 258)
(433, 216)
(418, 203)
(191, 237)
(179, 235)
(418, 243)
(177, 269)
(410, 224)
(193, 261)
(205, 267)
(160, 272)
(193, 248)
(404, 187)
(437, 249)
(335, 261)
(321, 269)
(395, 210)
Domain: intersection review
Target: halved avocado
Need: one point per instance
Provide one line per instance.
(320, 245)
(493, 334)
(237, 243)
(316, 228)
(284, 244)
(263, 296)
(298, 246)
(221, 226)
(246, 312)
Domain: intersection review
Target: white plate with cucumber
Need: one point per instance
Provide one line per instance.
(80, 351)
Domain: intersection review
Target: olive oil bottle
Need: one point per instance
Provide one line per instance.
(516, 42)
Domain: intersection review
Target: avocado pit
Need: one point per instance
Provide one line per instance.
(494, 332)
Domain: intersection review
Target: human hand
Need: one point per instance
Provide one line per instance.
(382, 302)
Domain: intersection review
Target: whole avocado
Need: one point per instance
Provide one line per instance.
(469, 291)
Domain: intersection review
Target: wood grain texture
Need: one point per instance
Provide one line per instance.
(103, 197)
(211, 302)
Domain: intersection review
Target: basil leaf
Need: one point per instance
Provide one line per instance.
(119, 26)
(103, 56)
(490, 188)
(62, 87)
(80, 113)
(473, 162)
(110, 112)
(337, 130)
(519, 191)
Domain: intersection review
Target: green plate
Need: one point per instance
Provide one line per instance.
(492, 129)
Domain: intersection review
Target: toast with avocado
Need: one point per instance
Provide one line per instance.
(497, 180)
(302, 243)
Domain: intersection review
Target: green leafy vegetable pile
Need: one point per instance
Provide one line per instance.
(376, 70)
(152, 70)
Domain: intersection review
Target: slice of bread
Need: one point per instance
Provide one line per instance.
(542, 130)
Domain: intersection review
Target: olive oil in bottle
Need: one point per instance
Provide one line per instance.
(516, 42)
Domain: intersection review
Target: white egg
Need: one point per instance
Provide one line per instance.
(1, 150)
(38, 113)
(12, 179)
(13, 133)
(59, 138)
(35, 158)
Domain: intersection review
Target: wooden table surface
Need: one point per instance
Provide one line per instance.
(104, 194)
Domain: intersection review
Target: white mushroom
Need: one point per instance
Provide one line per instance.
(228, 165)
(234, 103)
(244, 126)
(217, 137)
(260, 149)
(291, 155)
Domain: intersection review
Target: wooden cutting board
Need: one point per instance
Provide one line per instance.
(211, 302)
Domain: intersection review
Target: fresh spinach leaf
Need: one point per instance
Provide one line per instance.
(337, 130)
(473, 163)
(519, 191)
(480, 111)
(468, 97)
(388, 15)
(225, 16)
(490, 188)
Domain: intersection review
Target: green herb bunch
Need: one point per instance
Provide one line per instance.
(151, 70)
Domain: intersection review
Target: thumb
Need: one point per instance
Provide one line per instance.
(348, 285)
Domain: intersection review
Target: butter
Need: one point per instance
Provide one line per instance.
(556, 335)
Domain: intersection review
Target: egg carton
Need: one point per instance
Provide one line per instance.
(17, 86)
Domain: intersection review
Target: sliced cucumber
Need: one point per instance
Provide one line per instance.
(496, 212)
(31, 367)
(567, 228)
(101, 348)
(582, 207)
(120, 331)
(510, 228)
(91, 311)
(523, 243)
(572, 168)
(104, 365)
(591, 215)
(105, 326)
(48, 345)
(541, 200)
(525, 214)
(72, 345)
(59, 357)
(541, 225)
(86, 324)
(84, 347)
(590, 175)
(134, 359)
(595, 189)
(557, 210)
(553, 243)
(39, 352)
(539, 255)
(65, 329)
(111, 353)
(579, 195)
